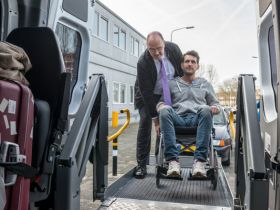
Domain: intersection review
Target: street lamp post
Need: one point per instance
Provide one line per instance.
(177, 29)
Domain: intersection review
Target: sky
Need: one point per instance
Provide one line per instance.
(225, 33)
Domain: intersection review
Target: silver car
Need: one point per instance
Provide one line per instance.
(222, 139)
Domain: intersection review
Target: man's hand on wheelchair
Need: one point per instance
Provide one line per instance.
(161, 106)
(215, 110)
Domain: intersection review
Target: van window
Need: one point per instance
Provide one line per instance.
(77, 8)
(70, 45)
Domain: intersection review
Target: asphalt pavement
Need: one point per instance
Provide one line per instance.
(126, 161)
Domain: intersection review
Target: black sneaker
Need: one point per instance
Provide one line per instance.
(140, 172)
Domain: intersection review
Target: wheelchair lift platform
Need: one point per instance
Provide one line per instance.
(130, 193)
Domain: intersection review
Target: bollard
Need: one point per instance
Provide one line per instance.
(114, 137)
(115, 157)
(115, 117)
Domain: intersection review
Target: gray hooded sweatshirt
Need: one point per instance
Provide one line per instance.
(188, 98)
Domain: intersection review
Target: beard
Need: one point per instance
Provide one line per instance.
(189, 72)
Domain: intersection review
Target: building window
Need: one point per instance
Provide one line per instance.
(119, 37)
(134, 46)
(119, 93)
(131, 45)
(116, 35)
(116, 90)
(131, 94)
(122, 93)
(103, 28)
(122, 40)
(100, 26)
(70, 44)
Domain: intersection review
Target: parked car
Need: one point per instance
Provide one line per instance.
(227, 110)
(222, 141)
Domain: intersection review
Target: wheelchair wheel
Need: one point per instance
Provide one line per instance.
(214, 178)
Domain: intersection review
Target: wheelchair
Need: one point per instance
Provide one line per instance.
(185, 140)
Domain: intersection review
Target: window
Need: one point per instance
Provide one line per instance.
(100, 26)
(131, 94)
(122, 40)
(122, 93)
(131, 45)
(116, 89)
(219, 119)
(116, 35)
(103, 28)
(119, 93)
(134, 46)
(70, 45)
(119, 37)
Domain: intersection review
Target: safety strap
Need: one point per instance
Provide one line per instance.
(13, 161)
(21, 169)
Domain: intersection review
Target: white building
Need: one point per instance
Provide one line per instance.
(115, 50)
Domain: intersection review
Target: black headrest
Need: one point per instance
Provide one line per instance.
(42, 47)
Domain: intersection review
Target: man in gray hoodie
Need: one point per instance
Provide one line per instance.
(193, 104)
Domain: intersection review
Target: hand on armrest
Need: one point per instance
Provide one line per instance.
(161, 106)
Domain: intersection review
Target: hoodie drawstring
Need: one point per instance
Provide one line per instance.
(178, 86)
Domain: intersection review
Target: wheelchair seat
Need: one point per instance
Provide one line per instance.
(185, 135)
(185, 130)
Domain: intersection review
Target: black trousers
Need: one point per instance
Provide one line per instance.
(144, 137)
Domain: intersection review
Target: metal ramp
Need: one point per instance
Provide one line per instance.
(131, 193)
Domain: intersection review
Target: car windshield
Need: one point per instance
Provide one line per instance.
(219, 119)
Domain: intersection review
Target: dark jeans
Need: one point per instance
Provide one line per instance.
(144, 137)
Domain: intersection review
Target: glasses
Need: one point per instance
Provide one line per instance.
(192, 61)
(154, 50)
